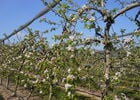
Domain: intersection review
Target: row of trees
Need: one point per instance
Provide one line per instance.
(72, 64)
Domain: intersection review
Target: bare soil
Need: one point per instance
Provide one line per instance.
(22, 93)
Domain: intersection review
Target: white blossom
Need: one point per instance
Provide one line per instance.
(71, 77)
(28, 55)
(12, 69)
(88, 40)
(44, 80)
(25, 85)
(69, 94)
(101, 81)
(115, 78)
(37, 76)
(128, 53)
(79, 69)
(71, 56)
(72, 38)
(102, 86)
(69, 70)
(70, 48)
(63, 80)
(85, 7)
(118, 74)
(54, 73)
(81, 33)
(92, 52)
(9, 61)
(45, 71)
(41, 92)
(25, 74)
(34, 82)
(53, 45)
(127, 40)
(84, 78)
(106, 76)
(55, 81)
(53, 59)
(22, 80)
(67, 86)
(116, 97)
(47, 77)
(19, 57)
(21, 72)
(92, 19)
(124, 96)
(31, 63)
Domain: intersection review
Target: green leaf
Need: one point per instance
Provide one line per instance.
(60, 11)
(89, 26)
(137, 34)
(53, 29)
(114, 11)
(65, 6)
(42, 20)
(122, 30)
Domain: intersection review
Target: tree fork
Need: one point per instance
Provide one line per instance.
(108, 46)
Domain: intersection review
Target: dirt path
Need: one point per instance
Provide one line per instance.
(22, 93)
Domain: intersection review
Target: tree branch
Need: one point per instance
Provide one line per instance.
(102, 3)
(41, 13)
(129, 7)
(83, 91)
(128, 34)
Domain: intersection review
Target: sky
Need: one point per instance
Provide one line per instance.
(14, 13)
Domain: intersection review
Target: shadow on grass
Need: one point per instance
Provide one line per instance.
(1, 97)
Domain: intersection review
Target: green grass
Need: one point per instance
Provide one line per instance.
(61, 95)
(129, 93)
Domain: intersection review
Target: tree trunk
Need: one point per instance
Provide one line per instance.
(107, 71)
(50, 94)
(17, 82)
(107, 49)
(0, 81)
(7, 82)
